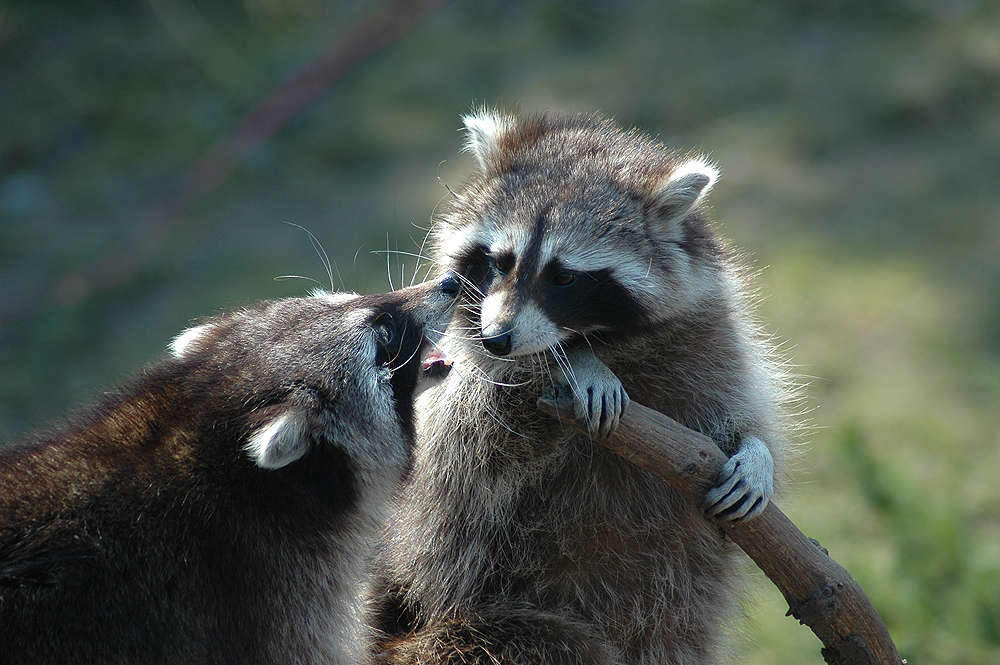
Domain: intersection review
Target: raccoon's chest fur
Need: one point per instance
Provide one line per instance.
(506, 503)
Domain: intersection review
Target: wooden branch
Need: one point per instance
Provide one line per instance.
(820, 593)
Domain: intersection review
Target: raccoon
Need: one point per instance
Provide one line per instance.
(587, 259)
(221, 507)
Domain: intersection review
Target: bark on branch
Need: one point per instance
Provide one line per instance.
(820, 593)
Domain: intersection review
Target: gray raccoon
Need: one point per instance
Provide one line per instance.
(586, 258)
(221, 507)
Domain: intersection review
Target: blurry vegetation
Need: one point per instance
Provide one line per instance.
(860, 149)
(940, 578)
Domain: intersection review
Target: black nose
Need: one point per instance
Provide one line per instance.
(449, 284)
(498, 345)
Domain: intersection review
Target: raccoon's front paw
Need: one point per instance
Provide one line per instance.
(599, 396)
(746, 483)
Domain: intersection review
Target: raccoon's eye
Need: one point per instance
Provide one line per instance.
(384, 333)
(564, 278)
(503, 262)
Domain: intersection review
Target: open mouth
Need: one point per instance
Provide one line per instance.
(435, 364)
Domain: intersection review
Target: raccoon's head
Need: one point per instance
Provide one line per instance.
(330, 374)
(575, 228)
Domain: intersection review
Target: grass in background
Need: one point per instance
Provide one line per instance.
(898, 480)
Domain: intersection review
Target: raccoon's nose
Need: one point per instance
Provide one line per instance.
(449, 284)
(498, 345)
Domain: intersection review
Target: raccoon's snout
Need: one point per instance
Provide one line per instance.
(498, 345)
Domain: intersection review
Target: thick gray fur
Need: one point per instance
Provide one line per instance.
(516, 540)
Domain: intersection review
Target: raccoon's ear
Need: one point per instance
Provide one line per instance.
(333, 297)
(187, 340)
(280, 442)
(678, 194)
(483, 132)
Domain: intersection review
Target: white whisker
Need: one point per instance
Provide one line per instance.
(281, 278)
(320, 252)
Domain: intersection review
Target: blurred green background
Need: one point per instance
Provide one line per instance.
(859, 143)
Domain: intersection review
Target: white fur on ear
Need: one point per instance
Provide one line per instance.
(180, 344)
(685, 188)
(280, 442)
(483, 132)
(334, 297)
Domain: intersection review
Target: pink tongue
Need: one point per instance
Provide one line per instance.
(435, 360)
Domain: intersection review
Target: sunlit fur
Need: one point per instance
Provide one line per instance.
(518, 540)
(221, 507)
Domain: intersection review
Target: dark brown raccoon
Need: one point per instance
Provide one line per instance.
(221, 506)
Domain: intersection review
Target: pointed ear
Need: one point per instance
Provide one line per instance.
(684, 189)
(280, 442)
(483, 132)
